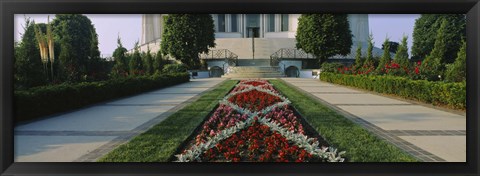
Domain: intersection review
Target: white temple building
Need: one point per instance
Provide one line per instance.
(273, 43)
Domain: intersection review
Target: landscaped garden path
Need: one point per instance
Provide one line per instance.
(89, 133)
(428, 133)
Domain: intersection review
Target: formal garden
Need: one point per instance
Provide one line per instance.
(231, 124)
(58, 68)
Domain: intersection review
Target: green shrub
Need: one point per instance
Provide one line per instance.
(174, 68)
(331, 67)
(47, 100)
(438, 93)
(456, 72)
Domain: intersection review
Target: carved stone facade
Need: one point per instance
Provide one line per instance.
(239, 25)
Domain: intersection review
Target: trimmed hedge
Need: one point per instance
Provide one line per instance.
(452, 95)
(46, 100)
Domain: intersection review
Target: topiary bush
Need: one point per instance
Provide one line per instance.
(452, 95)
(47, 100)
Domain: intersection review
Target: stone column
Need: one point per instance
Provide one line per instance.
(359, 27)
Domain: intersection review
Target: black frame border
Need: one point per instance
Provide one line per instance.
(10, 7)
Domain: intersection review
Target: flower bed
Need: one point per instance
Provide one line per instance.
(254, 123)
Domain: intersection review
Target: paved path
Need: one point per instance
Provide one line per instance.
(89, 133)
(430, 134)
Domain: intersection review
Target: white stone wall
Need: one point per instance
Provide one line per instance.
(359, 27)
(307, 73)
(269, 43)
(284, 64)
(218, 63)
(152, 27)
(200, 74)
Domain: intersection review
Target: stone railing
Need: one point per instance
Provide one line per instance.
(230, 57)
(289, 53)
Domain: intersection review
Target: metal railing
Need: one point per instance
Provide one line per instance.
(230, 57)
(288, 53)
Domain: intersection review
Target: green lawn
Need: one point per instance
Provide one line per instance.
(360, 144)
(160, 142)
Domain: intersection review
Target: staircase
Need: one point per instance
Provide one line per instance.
(264, 47)
(253, 71)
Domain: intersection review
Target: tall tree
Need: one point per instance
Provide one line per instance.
(358, 57)
(434, 60)
(324, 35)
(456, 72)
(71, 69)
(28, 67)
(135, 64)
(158, 62)
(401, 56)
(120, 68)
(386, 57)
(96, 65)
(78, 32)
(369, 58)
(393, 46)
(425, 32)
(148, 62)
(187, 35)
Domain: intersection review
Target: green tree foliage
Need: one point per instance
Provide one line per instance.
(425, 32)
(386, 57)
(401, 56)
(97, 67)
(358, 57)
(439, 51)
(158, 62)
(432, 67)
(174, 68)
(369, 58)
(187, 35)
(70, 68)
(324, 35)
(331, 67)
(78, 38)
(457, 71)
(393, 46)
(28, 66)
(120, 68)
(136, 64)
(148, 62)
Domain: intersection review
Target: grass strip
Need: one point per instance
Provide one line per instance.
(160, 142)
(360, 144)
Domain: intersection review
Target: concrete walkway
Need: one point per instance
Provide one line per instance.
(89, 133)
(431, 135)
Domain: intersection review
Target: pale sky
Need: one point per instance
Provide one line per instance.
(129, 27)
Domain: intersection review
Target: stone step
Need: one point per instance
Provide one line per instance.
(257, 75)
(254, 62)
(253, 72)
(252, 76)
(265, 69)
